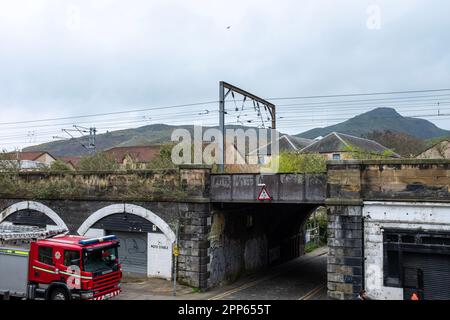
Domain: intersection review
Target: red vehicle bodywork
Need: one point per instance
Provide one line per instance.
(79, 282)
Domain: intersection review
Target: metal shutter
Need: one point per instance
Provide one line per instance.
(436, 273)
(132, 251)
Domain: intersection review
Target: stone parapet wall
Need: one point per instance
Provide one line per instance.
(396, 180)
(186, 184)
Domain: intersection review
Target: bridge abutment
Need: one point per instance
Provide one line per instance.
(345, 255)
(194, 244)
(388, 228)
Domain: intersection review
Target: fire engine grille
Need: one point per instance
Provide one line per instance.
(106, 284)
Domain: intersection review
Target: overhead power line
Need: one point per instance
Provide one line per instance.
(319, 109)
(109, 113)
(358, 94)
(216, 102)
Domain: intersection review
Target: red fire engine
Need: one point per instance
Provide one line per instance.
(37, 264)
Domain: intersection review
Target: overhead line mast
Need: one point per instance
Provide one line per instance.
(222, 96)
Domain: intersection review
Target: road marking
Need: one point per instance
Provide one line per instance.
(255, 282)
(312, 293)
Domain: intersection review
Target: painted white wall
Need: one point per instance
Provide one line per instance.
(159, 255)
(401, 215)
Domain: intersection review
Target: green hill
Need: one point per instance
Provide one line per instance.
(147, 135)
(380, 119)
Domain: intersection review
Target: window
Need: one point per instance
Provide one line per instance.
(393, 264)
(336, 156)
(71, 258)
(45, 255)
(392, 269)
(101, 259)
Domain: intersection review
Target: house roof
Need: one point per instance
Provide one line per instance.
(445, 140)
(286, 143)
(71, 160)
(296, 142)
(23, 164)
(30, 156)
(140, 154)
(340, 142)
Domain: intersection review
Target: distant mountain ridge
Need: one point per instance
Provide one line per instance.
(380, 119)
(146, 135)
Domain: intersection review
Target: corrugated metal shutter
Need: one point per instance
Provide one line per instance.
(126, 222)
(30, 218)
(132, 251)
(436, 274)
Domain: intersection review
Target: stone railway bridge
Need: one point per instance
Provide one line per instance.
(389, 221)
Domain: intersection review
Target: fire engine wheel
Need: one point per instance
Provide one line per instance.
(59, 294)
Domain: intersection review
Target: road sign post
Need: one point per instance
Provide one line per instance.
(176, 253)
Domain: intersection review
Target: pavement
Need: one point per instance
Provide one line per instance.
(304, 278)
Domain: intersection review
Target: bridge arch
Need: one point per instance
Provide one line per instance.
(127, 208)
(35, 206)
(142, 251)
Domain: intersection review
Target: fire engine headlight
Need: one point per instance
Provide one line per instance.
(87, 295)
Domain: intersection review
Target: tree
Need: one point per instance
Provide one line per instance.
(402, 143)
(164, 159)
(98, 162)
(9, 163)
(59, 165)
(361, 154)
(301, 163)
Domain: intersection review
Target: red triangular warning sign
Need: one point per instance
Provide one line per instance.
(264, 195)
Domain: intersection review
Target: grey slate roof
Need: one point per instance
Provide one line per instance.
(299, 143)
(286, 143)
(24, 164)
(339, 142)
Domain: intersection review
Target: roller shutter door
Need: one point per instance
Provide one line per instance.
(431, 272)
(132, 251)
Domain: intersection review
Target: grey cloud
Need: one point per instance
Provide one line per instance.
(145, 53)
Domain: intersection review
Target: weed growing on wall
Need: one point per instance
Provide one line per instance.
(291, 162)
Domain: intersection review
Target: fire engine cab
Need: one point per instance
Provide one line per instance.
(38, 264)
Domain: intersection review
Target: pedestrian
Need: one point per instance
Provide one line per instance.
(414, 296)
(363, 295)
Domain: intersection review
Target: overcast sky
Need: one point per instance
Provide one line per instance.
(65, 58)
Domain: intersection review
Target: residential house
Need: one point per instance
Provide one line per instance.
(286, 143)
(40, 157)
(72, 162)
(24, 165)
(340, 146)
(135, 157)
(234, 159)
(440, 150)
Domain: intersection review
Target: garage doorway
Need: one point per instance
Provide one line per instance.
(132, 252)
(146, 240)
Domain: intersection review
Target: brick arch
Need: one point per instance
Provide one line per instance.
(35, 206)
(131, 209)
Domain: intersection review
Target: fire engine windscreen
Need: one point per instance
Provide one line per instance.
(101, 259)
